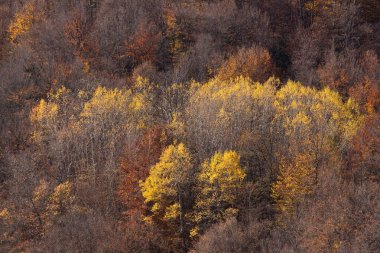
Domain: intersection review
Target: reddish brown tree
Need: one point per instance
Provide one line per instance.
(144, 43)
(364, 154)
(75, 30)
(367, 89)
(367, 94)
(134, 166)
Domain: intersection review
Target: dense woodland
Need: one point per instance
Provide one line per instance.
(190, 126)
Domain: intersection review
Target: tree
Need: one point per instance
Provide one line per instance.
(144, 44)
(294, 183)
(167, 186)
(61, 200)
(246, 26)
(237, 114)
(363, 161)
(316, 126)
(44, 116)
(23, 21)
(82, 136)
(219, 182)
(254, 63)
(177, 36)
(106, 119)
(199, 62)
(113, 29)
(315, 121)
(370, 10)
(352, 73)
(366, 89)
(341, 215)
(220, 112)
(135, 163)
(76, 29)
(83, 232)
(234, 236)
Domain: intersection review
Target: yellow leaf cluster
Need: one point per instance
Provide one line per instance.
(177, 125)
(296, 180)
(40, 191)
(60, 94)
(220, 111)
(166, 180)
(22, 22)
(5, 215)
(315, 115)
(86, 67)
(61, 199)
(44, 112)
(176, 45)
(117, 108)
(43, 117)
(219, 182)
(223, 171)
(107, 100)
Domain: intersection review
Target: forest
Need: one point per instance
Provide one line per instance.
(192, 126)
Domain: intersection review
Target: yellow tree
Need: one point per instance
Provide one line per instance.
(315, 126)
(218, 113)
(219, 181)
(234, 115)
(166, 186)
(23, 21)
(295, 181)
(44, 120)
(51, 115)
(106, 119)
(83, 135)
(50, 119)
(313, 121)
(61, 200)
(109, 120)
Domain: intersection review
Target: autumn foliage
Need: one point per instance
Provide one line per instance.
(190, 126)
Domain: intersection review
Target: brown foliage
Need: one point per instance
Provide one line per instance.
(76, 29)
(143, 45)
(252, 62)
(364, 154)
(353, 74)
(367, 95)
(232, 236)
